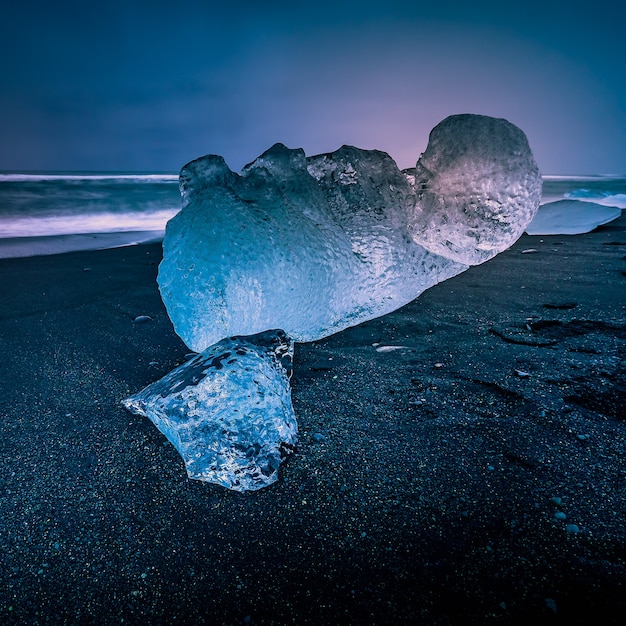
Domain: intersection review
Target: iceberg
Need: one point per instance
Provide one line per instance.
(571, 217)
(228, 410)
(311, 246)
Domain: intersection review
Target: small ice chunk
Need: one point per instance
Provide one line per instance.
(571, 217)
(228, 410)
(391, 348)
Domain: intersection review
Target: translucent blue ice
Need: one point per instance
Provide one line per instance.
(312, 246)
(315, 245)
(228, 410)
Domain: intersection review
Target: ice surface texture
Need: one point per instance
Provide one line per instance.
(571, 217)
(315, 245)
(477, 187)
(312, 246)
(228, 410)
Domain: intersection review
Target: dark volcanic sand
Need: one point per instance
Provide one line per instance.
(429, 502)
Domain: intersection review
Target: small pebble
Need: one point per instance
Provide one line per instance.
(142, 319)
(572, 528)
(560, 515)
(318, 437)
(556, 501)
(551, 604)
(583, 437)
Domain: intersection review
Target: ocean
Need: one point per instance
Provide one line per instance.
(607, 190)
(46, 213)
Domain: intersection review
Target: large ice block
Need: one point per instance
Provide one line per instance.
(315, 245)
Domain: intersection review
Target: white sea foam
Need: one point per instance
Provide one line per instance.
(108, 222)
(604, 198)
(606, 190)
(39, 207)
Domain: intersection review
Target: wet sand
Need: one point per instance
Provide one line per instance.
(433, 498)
(16, 247)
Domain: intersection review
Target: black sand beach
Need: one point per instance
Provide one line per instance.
(433, 498)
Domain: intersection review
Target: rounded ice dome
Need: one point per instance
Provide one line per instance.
(477, 187)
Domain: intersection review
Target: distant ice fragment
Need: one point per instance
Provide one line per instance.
(228, 410)
(316, 245)
(571, 217)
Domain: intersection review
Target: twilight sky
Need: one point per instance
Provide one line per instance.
(150, 85)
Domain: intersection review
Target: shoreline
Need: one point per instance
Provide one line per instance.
(20, 247)
(46, 245)
(432, 499)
